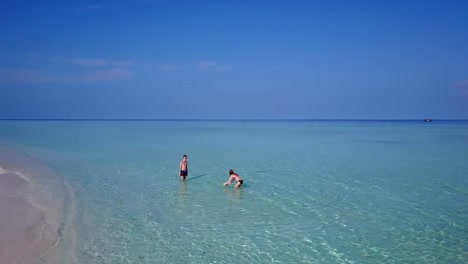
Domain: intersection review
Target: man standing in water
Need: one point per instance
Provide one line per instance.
(183, 168)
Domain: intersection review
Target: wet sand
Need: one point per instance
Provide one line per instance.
(31, 210)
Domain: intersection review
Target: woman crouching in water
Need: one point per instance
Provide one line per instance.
(232, 177)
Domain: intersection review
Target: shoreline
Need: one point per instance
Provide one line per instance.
(32, 210)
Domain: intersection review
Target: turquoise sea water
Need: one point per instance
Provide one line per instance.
(314, 192)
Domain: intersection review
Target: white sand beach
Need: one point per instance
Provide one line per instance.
(31, 205)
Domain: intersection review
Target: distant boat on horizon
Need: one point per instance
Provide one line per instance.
(427, 120)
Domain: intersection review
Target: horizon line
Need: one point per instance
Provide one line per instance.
(221, 119)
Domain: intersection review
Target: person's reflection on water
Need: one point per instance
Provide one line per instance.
(234, 195)
(182, 195)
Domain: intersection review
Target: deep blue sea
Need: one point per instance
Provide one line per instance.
(314, 191)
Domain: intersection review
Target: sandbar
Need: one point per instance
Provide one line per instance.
(31, 210)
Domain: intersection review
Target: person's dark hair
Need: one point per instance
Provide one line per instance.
(184, 156)
(231, 172)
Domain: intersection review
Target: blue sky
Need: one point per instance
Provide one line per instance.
(234, 59)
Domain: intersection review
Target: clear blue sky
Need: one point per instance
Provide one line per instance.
(234, 59)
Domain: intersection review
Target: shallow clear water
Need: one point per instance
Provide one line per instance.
(314, 192)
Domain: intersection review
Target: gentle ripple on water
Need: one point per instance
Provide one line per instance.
(315, 192)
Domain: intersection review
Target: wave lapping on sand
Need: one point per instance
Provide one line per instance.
(31, 210)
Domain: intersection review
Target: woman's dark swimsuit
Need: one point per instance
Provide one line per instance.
(241, 181)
